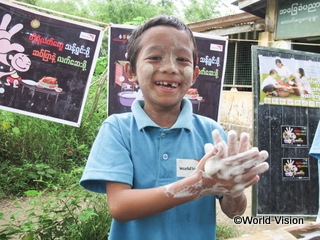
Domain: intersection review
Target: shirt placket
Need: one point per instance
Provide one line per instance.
(167, 163)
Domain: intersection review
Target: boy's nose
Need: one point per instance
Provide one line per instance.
(169, 65)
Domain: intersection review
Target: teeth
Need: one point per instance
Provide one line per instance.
(173, 85)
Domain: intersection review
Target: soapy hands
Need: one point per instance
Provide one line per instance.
(227, 169)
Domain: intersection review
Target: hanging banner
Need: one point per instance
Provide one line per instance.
(46, 64)
(204, 94)
(289, 81)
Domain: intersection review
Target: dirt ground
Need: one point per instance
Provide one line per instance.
(8, 206)
(247, 229)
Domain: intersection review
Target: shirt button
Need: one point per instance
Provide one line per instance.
(163, 135)
(165, 156)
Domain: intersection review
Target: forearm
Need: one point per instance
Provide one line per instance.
(233, 206)
(129, 204)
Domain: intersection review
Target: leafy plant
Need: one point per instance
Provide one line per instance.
(73, 213)
(226, 232)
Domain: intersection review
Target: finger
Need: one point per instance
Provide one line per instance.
(261, 168)
(208, 147)
(237, 190)
(5, 21)
(248, 159)
(16, 47)
(216, 136)
(244, 142)
(238, 170)
(222, 150)
(213, 163)
(210, 151)
(232, 143)
(240, 158)
(15, 29)
(252, 181)
(263, 155)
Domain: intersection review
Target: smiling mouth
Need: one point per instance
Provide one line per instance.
(168, 84)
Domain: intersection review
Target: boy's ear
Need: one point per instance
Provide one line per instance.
(196, 73)
(129, 72)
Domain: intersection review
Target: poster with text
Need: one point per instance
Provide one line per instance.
(46, 64)
(295, 169)
(293, 81)
(204, 94)
(294, 136)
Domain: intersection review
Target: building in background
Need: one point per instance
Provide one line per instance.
(272, 23)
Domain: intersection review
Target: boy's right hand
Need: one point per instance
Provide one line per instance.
(229, 169)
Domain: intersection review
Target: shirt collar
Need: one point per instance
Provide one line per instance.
(184, 119)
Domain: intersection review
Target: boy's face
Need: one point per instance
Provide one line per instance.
(164, 66)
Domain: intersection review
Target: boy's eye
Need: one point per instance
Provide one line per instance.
(183, 60)
(155, 58)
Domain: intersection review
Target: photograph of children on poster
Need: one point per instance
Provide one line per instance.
(289, 81)
(295, 169)
(46, 63)
(294, 136)
(204, 94)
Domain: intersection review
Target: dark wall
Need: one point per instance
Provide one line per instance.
(277, 194)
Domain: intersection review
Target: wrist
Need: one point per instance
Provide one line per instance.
(187, 189)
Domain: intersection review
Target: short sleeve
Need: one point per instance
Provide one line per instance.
(109, 159)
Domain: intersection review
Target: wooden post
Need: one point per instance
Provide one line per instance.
(265, 38)
(271, 16)
(270, 24)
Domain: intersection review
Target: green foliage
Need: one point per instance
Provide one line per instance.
(128, 11)
(136, 21)
(206, 9)
(226, 232)
(33, 2)
(36, 153)
(112, 11)
(73, 213)
(19, 178)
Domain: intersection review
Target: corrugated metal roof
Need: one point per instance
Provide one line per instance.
(255, 7)
(216, 23)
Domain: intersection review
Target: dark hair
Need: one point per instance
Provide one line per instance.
(278, 61)
(273, 71)
(134, 47)
(301, 71)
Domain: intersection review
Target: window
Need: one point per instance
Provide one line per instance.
(238, 72)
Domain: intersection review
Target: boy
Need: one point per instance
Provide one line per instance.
(269, 84)
(136, 156)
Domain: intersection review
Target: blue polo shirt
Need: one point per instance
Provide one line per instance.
(315, 147)
(130, 148)
(315, 152)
